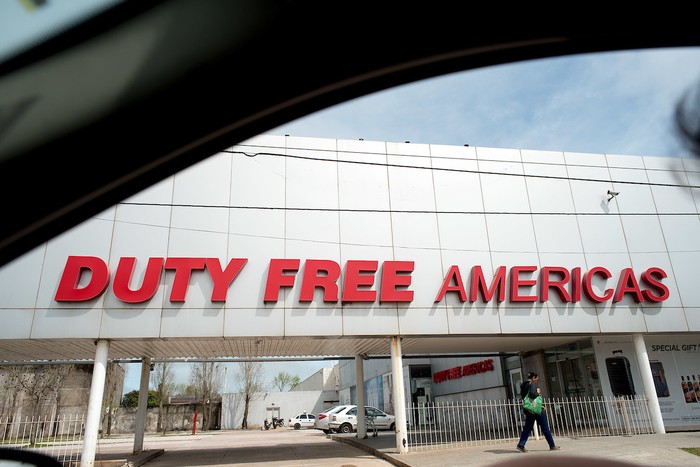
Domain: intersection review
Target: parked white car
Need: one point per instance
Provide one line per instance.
(324, 417)
(303, 420)
(345, 419)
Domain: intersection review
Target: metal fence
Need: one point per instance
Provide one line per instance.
(59, 437)
(468, 423)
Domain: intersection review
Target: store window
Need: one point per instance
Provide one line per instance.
(571, 370)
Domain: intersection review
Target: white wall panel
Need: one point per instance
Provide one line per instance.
(643, 234)
(530, 319)
(549, 196)
(73, 322)
(558, 234)
(503, 188)
(685, 267)
(511, 233)
(207, 183)
(326, 321)
(363, 186)
(665, 320)
(408, 149)
(631, 162)
(19, 280)
(314, 144)
(415, 230)
(91, 238)
(589, 187)
(622, 318)
(464, 232)
(130, 323)
(258, 181)
(312, 183)
(498, 154)
(361, 146)
(574, 319)
(602, 234)
(579, 158)
(17, 324)
(423, 321)
(259, 236)
(366, 229)
(375, 321)
(662, 163)
(694, 181)
(674, 198)
(681, 233)
(458, 191)
(542, 157)
(455, 152)
(253, 322)
(411, 189)
(692, 316)
(192, 322)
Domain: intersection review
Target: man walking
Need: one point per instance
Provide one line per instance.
(531, 390)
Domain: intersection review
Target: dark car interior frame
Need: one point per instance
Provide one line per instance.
(147, 88)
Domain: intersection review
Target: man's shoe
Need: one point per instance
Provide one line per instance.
(521, 448)
(555, 448)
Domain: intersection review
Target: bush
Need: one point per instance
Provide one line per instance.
(131, 399)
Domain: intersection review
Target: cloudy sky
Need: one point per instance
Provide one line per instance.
(613, 103)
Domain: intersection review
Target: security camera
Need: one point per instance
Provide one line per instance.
(612, 194)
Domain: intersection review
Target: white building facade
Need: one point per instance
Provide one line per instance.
(285, 246)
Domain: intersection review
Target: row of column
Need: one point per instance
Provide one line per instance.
(399, 400)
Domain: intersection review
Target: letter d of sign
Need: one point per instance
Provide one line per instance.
(68, 288)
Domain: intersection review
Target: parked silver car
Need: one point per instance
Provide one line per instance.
(345, 419)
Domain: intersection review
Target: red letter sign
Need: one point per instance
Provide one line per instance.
(68, 290)
(276, 277)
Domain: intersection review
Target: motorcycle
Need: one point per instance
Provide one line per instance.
(277, 422)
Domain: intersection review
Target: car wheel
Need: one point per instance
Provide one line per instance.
(297, 426)
(345, 428)
(392, 426)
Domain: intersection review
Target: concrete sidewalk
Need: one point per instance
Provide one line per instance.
(313, 448)
(639, 450)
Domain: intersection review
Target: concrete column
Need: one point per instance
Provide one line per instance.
(399, 396)
(140, 428)
(360, 393)
(97, 389)
(648, 383)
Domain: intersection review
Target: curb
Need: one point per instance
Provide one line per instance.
(371, 450)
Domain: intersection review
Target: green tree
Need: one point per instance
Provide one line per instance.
(284, 380)
(131, 399)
